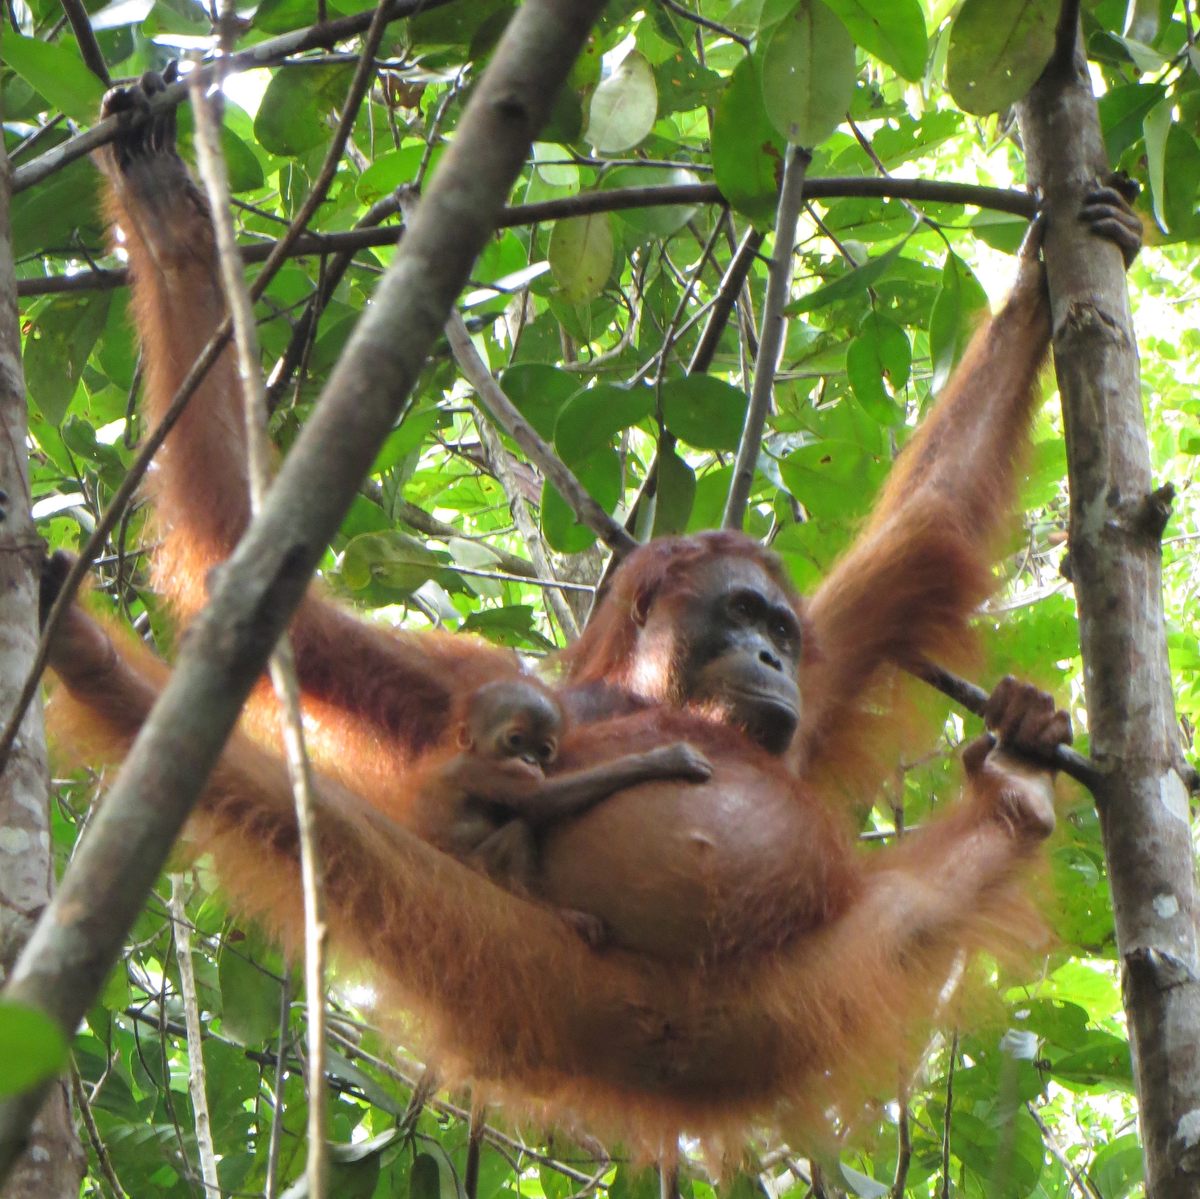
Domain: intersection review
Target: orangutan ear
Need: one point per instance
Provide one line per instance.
(643, 601)
(463, 736)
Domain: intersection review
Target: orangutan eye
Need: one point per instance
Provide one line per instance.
(743, 606)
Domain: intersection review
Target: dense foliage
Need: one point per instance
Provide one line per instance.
(590, 321)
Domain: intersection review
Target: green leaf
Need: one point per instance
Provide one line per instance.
(241, 163)
(249, 1000)
(1123, 112)
(1118, 1167)
(388, 172)
(1103, 1061)
(880, 350)
(57, 73)
(998, 48)
(624, 106)
(1157, 126)
(706, 412)
(392, 559)
(1182, 175)
(57, 212)
(894, 32)
(32, 1047)
(863, 1184)
(832, 478)
(57, 347)
(600, 475)
(291, 117)
(854, 281)
(539, 392)
(747, 151)
(660, 221)
(808, 74)
(674, 495)
(590, 421)
(424, 1179)
(952, 321)
(581, 256)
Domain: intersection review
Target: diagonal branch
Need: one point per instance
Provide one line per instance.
(85, 35)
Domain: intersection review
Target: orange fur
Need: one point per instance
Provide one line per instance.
(767, 970)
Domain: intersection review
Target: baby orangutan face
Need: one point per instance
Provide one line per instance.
(514, 719)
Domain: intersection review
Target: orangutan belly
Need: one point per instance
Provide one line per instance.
(683, 870)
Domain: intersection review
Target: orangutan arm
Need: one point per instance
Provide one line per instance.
(397, 683)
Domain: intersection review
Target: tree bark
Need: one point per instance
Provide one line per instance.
(1116, 523)
(53, 1163)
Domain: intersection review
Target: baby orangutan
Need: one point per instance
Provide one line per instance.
(486, 804)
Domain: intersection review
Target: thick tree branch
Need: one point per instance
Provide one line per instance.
(55, 1164)
(1117, 571)
(77, 939)
(996, 199)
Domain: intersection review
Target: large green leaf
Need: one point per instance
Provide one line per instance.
(705, 412)
(808, 74)
(291, 117)
(581, 255)
(998, 48)
(894, 32)
(747, 151)
(624, 106)
(32, 1047)
(57, 72)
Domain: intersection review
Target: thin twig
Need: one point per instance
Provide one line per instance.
(1017, 203)
(275, 1142)
(944, 1190)
(497, 458)
(94, 1138)
(197, 1087)
(705, 22)
(903, 1145)
(1078, 1178)
(770, 342)
(506, 415)
(85, 35)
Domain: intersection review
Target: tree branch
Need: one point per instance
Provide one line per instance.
(1018, 203)
(770, 342)
(505, 413)
(1116, 567)
(85, 35)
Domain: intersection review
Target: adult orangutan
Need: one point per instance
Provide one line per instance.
(760, 966)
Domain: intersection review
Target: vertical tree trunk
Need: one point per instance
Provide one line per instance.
(53, 1164)
(1116, 523)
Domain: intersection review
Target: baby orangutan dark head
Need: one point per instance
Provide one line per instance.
(513, 718)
